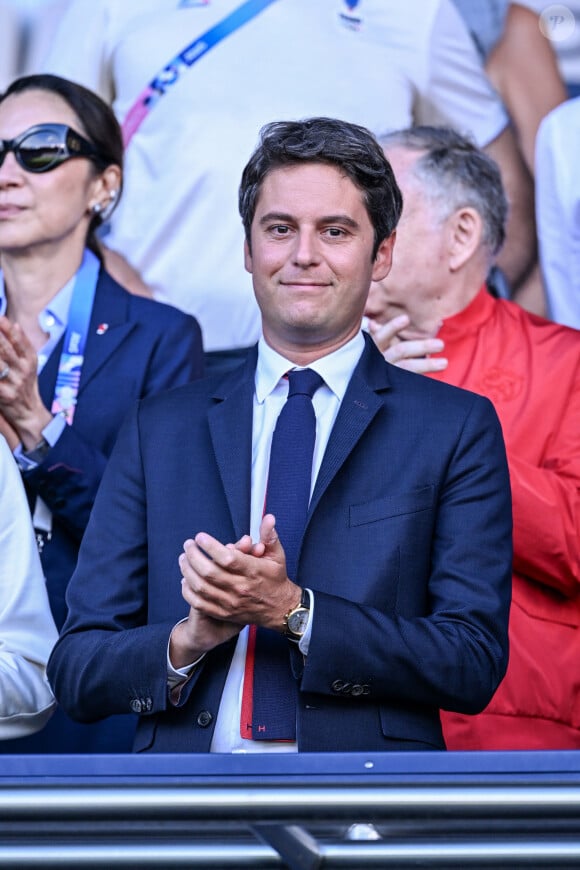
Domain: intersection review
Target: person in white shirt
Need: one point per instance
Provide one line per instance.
(558, 210)
(27, 629)
(382, 65)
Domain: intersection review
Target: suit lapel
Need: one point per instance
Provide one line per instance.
(360, 405)
(230, 423)
(109, 326)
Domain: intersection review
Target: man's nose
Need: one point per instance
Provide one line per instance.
(306, 250)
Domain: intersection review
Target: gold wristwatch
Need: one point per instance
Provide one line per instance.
(296, 620)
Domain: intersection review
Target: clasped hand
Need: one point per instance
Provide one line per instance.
(22, 412)
(413, 354)
(228, 586)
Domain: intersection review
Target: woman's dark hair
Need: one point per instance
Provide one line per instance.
(98, 122)
(351, 148)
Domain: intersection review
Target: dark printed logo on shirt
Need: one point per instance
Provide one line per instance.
(349, 15)
(501, 385)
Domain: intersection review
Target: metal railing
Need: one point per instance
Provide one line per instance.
(444, 810)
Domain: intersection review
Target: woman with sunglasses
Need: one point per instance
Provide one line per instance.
(75, 348)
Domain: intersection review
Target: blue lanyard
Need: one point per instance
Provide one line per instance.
(186, 58)
(75, 338)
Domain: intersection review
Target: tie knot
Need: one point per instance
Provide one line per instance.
(304, 382)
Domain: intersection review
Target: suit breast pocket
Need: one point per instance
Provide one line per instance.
(392, 505)
(394, 532)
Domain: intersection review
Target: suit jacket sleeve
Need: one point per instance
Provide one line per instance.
(97, 671)
(450, 650)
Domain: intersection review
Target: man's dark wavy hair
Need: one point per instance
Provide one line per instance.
(349, 147)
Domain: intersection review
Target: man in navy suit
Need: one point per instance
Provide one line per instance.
(399, 602)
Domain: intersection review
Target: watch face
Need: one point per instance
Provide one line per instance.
(298, 620)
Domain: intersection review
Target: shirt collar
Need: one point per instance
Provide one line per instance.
(470, 318)
(55, 315)
(336, 368)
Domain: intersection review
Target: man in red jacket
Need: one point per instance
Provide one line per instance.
(434, 314)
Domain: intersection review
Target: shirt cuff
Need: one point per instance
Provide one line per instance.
(177, 676)
(53, 430)
(27, 460)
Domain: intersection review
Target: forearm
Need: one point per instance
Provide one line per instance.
(518, 256)
(529, 81)
(437, 661)
(98, 673)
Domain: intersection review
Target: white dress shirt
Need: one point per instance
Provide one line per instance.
(270, 394)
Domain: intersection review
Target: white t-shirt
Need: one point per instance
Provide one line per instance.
(382, 65)
(10, 39)
(558, 210)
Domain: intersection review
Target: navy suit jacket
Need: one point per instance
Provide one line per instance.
(407, 549)
(135, 347)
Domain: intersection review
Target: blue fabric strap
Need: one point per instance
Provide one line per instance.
(187, 57)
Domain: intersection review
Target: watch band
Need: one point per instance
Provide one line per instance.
(29, 459)
(296, 619)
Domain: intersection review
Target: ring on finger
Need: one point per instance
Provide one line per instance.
(4, 373)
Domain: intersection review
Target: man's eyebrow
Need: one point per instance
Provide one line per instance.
(282, 217)
(276, 216)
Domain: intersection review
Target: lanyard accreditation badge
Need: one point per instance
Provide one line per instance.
(69, 370)
(75, 338)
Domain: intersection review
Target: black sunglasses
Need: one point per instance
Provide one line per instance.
(46, 146)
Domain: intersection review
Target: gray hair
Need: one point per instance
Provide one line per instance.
(457, 174)
(351, 148)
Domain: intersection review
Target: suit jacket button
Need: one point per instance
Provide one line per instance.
(357, 690)
(337, 686)
(204, 718)
(136, 705)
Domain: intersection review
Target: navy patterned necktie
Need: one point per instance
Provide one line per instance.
(268, 671)
(290, 471)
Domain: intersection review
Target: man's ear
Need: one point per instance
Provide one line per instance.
(384, 258)
(247, 257)
(465, 236)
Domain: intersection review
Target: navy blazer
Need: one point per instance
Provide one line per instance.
(407, 549)
(135, 347)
